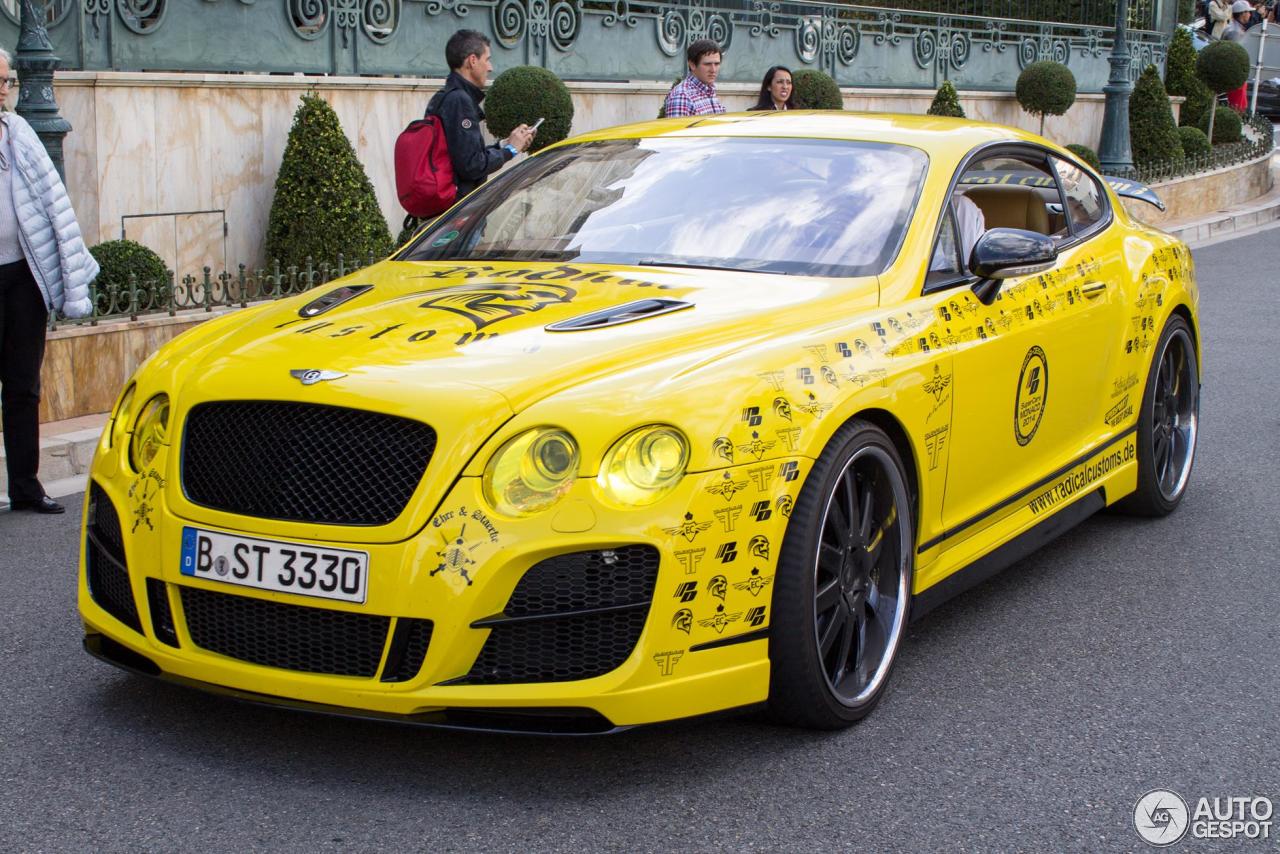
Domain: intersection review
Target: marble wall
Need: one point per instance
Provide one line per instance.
(150, 152)
(1196, 196)
(85, 367)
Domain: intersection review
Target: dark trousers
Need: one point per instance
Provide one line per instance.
(22, 325)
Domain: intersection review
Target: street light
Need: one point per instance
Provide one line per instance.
(35, 63)
(1114, 152)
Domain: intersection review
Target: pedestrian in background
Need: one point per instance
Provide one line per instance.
(1219, 17)
(44, 266)
(776, 90)
(695, 95)
(458, 106)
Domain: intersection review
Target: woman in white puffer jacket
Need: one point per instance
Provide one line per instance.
(44, 266)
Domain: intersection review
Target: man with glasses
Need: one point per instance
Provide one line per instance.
(44, 267)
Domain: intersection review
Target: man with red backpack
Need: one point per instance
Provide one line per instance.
(427, 181)
(458, 106)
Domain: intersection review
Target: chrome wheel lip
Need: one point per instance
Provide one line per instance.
(893, 640)
(1183, 422)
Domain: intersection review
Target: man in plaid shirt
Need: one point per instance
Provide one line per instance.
(695, 95)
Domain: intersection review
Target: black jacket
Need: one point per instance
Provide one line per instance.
(458, 106)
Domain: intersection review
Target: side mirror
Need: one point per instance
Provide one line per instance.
(1005, 253)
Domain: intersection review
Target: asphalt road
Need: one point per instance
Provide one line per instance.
(1028, 715)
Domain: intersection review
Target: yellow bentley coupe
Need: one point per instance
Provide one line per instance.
(669, 419)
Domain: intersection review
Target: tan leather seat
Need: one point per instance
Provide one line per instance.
(1010, 206)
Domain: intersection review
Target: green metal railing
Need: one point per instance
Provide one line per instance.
(978, 44)
(206, 292)
(1260, 142)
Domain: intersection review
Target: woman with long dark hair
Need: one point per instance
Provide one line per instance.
(777, 90)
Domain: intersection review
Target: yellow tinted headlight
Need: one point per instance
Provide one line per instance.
(120, 419)
(644, 465)
(531, 472)
(151, 432)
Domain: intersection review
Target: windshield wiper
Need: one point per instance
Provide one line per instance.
(740, 268)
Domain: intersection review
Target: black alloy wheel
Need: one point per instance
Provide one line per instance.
(843, 591)
(1168, 425)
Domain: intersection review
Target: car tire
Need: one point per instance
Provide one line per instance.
(842, 595)
(1168, 424)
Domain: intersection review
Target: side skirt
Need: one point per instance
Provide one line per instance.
(1011, 552)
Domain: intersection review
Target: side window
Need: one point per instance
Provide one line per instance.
(946, 257)
(1012, 192)
(1086, 203)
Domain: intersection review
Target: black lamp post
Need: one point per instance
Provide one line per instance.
(1114, 152)
(35, 63)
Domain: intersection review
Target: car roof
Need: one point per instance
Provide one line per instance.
(934, 134)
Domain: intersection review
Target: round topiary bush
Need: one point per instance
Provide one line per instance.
(1222, 66)
(119, 259)
(1226, 128)
(946, 102)
(324, 202)
(815, 90)
(1194, 142)
(524, 94)
(1153, 136)
(1087, 154)
(1046, 89)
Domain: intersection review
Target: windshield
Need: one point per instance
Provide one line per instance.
(799, 206)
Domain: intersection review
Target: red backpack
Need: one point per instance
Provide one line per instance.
(424, 173)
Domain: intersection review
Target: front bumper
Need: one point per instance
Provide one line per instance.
(701, 647)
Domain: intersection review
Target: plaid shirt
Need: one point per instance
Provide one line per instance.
(692, 97)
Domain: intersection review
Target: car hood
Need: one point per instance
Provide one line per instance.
(466, 348)
(432, 325)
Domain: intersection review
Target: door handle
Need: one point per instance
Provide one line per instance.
(1093, 290)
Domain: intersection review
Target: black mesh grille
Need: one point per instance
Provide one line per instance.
(408, 649)
(292, 637)
(584, 580)
(105, 564)
(303, 462)
(565, 646)
(161, 614)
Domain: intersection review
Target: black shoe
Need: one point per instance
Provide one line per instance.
(44, 504)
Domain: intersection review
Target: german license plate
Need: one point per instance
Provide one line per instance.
(307, 570)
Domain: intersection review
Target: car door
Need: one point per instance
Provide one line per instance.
(1027, 389)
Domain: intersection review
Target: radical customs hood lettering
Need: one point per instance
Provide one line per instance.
(426, 324)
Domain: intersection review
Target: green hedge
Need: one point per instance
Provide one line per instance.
(1153, 135)
(815, 90)
(946, 102)
(1227, 126)
(119, 259)
(1223, 66)
(1194, 142)
(1046, 89)
(324, 202)
(1180, 79)
(1087, 154)
(524, 94)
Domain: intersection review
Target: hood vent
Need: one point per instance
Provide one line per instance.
(332, 299)
(619, 314)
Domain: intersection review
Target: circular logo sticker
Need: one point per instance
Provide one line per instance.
(466, 124)
(1033, 391)
(1160, 817)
